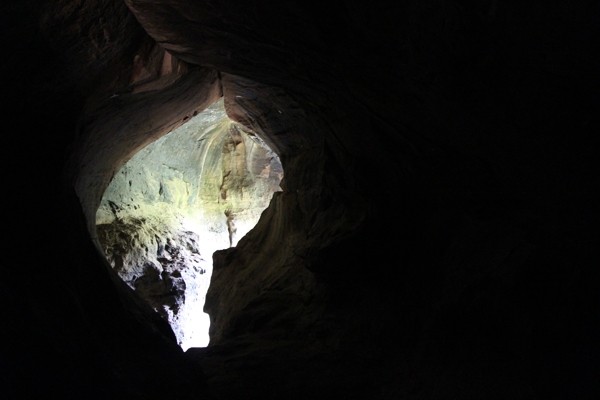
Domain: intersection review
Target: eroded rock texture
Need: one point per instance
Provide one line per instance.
(194, 191)
(164, 266)
(435, 237)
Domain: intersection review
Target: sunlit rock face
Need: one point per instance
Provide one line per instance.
(196, 190)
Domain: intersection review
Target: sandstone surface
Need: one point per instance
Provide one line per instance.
(436, 233)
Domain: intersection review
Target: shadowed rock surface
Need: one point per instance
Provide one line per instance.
(435, 237)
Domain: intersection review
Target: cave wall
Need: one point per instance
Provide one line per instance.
(69, 332)
(435, 237)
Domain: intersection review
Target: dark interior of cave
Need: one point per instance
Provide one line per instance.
(436, 236)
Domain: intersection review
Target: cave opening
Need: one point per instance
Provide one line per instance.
(196, 190)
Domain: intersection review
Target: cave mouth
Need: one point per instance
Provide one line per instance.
(196, 190)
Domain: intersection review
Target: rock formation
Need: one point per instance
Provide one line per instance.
(194, 191)
(435, 236)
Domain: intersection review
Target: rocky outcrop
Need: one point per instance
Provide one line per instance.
(196, 190)
(165, 268)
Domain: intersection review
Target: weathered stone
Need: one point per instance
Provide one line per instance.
(195, 190)
(436, 236)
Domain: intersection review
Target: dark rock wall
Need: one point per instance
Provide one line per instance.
(67, 331)
(436, 234)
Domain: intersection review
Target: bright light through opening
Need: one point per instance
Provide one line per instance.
(196, 190)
